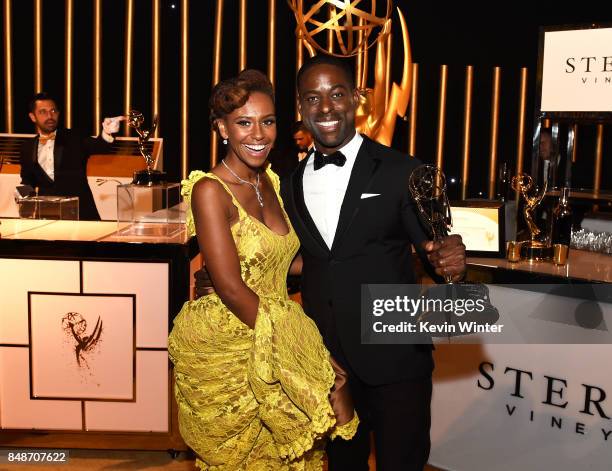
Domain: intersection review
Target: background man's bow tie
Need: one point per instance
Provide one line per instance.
(336, 158)
(44, 139)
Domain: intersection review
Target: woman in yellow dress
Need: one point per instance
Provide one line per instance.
(255, 385)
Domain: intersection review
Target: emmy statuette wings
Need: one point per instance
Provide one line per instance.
(150, 176)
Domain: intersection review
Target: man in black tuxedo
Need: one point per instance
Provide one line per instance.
(303, 140)
(55, 161)
(350, 206)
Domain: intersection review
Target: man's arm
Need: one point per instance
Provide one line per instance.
(102, 143)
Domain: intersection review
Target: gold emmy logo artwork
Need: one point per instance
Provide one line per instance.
(75, 326)
(355, 30)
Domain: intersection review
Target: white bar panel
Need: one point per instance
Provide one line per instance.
(148, 281)
(17, 277)
(17, 411)
(150, 413)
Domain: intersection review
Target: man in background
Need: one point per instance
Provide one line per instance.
(303, 139)
(285, 162)
(55, 160)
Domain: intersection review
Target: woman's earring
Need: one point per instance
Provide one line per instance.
(225, 141)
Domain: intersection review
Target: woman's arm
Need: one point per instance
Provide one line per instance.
(296, 266)
(212, 210)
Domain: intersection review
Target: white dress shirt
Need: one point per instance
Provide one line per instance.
(45, 157)
(302, 155)
(324, 189)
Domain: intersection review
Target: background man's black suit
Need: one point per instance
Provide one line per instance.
(70, 155)
(372, 244)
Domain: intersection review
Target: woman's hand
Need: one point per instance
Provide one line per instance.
(340, 397)
(296, 266)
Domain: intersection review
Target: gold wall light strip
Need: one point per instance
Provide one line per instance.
(520, 140)
(156, 62)
(127, 78)
(38, 70)
(184, 87)
(216, 72)
(68, 57)
(441, 117)
(8, 66)
(598, 159)
(272, 40)
(413, 109)
(242, 36)
(467, 127)
(494, 131)
(97, 67)
(299, 60)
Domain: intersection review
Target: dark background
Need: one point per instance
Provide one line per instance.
(501, 34)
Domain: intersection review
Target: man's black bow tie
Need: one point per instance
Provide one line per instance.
(336, 158)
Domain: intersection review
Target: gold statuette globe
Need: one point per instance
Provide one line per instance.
(354, 24)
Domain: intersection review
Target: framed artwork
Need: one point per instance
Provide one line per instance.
(82, 346)
(481, 224)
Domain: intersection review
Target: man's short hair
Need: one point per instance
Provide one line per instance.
(321, 59)
(297, 127)
(38, 97)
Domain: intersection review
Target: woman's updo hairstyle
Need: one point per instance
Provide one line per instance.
(231, 94)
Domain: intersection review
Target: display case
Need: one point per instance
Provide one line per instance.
(150, 210)
(49, 207)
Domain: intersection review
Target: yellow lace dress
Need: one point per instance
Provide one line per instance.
(253, 399)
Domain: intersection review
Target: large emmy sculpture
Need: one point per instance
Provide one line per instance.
(537, 248)
(149, 176)
(355, 30)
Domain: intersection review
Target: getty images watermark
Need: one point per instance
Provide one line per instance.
(478, 313)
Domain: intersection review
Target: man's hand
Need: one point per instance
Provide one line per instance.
(111, 125)
(447, 256)
(203, 283)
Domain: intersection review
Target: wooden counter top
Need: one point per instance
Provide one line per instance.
(582, 265)
(92, 231)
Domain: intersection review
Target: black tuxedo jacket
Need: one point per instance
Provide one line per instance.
(70, 156)
(372, 245)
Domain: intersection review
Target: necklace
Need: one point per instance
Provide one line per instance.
(242, 181)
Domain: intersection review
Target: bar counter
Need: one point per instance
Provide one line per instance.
(85, 312)
(530, 405)
(581, 266)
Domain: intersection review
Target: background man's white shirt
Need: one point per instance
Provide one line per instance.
(324, 189)
(45, 157)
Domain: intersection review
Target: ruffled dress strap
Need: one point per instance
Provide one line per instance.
(187, 187)
(274, 178)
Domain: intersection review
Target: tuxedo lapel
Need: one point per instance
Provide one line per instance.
(34, 151)
(297, 184)
(58, 151)
(364, 168)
